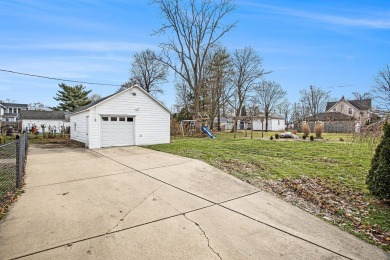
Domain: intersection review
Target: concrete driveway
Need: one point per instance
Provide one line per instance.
(134, 203)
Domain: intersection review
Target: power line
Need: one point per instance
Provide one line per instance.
(68, 80)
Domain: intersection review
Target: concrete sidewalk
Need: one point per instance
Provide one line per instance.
(134, 203)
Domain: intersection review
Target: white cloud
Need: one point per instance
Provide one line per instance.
(369, 20)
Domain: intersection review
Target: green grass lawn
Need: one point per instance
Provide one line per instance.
(341, 165)
(341, 162)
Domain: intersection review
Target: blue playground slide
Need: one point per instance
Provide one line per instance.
(207, 132)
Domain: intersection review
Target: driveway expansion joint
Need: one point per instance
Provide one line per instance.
(237, 212)
(83, 179)
(285, 232)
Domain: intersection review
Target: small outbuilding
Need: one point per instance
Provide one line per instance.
(53, 120)
(129, 117)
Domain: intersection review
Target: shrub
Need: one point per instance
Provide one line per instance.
(276, 136)
(378, 179)
(294, 132)
(305, 128)
(318, 129)
(271, 138)
(311, 138)
(341, 139)
(304, 137)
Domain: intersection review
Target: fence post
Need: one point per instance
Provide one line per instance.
(17, 163)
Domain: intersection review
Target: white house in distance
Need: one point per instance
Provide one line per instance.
(12, 111)
(55, 120)
(129, 117)
(275, 123)
(1, 111)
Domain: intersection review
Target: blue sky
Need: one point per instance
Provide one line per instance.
(323, 43)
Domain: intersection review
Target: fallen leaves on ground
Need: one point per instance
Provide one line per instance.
(339, 205)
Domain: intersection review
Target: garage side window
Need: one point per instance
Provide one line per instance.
(129, 119)
(104, 118)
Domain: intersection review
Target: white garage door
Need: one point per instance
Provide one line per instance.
(116, 131)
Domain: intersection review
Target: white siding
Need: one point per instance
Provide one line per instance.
(38, 122)
(274, 124)
(78, 120)
(152, 121)
(278, 124)
(257, 125)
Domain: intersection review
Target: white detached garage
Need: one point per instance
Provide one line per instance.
(130, 117)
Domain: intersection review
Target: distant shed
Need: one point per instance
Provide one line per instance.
(53, 119)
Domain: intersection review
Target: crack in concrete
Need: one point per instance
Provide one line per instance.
(128, 212)
(169, 204)
(204, 233)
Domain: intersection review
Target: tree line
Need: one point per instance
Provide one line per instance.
(209, 79)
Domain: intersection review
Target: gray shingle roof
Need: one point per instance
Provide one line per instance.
(14, 105)
(42, 115)
(5, 115)
(363, 104)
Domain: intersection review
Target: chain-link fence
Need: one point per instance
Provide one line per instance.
(12, 165)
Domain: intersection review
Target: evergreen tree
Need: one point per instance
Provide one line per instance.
(378, 179)
(72, 98)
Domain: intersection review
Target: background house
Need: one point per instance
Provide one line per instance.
(343, 116)
(275, 123)
(1, 111)
(130, 117)
(361, 110)
(55, 120)
(12, 111)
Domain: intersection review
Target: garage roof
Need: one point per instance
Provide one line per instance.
(42, 115)
(81, 109)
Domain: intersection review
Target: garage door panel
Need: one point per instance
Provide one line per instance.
(117, 133)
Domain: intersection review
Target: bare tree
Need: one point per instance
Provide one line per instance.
(38, 106)
(148, 70)
(299, 112)
(193, 28)
(127, 85)
(94, 97)
(269, 95)
(246, 70)
(314, 100)
(286, 110)
(381, 88)
(361, 96)
(184, 97)
(218, 79)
